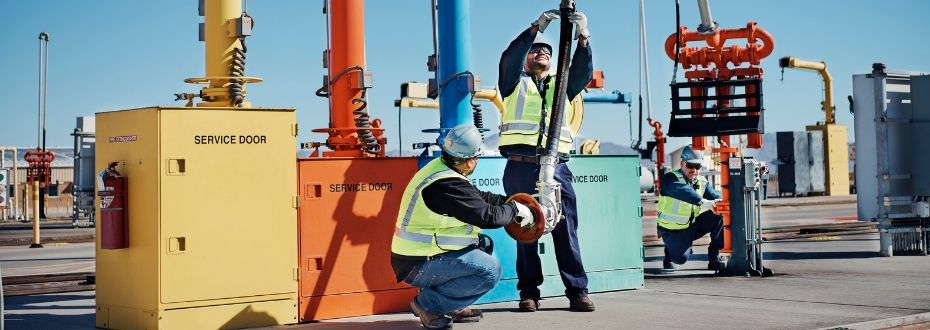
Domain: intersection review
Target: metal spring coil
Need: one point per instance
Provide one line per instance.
(477, 116)
(363, 123)
(236, 91)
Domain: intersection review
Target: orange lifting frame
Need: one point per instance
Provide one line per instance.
(712, 65)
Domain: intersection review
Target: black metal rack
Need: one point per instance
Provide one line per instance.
(744, 119)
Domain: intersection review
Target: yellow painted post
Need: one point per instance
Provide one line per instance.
(36, 242)
(219, 40)
(821, 68)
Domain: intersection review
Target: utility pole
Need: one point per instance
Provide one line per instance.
(40, 174)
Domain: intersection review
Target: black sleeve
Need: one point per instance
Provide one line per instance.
(581, 70)
(511, 64)
(492, 198)
(460, 199)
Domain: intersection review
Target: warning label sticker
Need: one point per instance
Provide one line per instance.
(123, 138)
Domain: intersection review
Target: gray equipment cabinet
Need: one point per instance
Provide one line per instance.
(800, 163)
(82, 212)
(892, 127)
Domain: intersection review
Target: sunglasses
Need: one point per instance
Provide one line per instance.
(693, 166)
(540, 50)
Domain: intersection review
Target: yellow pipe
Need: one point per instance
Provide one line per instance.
(493, 95)
(417, 103)
(219, 45)
(821, 68)
(219, 42)
(36, 242)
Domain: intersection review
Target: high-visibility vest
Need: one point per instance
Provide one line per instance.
(522, 112)
(674, 214)
(421, 232)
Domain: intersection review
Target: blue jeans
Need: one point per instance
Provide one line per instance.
(521, 177)
(678, 242)
(454, 280)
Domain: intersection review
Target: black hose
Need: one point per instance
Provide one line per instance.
(561, 86)
(477, 116)
(677, 40)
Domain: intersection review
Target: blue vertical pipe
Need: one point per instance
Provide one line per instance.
(454, 24)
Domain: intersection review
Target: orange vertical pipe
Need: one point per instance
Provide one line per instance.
(725, 153)
(660, 151)
(723, 207)
(347, 49)
(754, 140)
(698, 142)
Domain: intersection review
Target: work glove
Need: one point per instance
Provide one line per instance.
(547, 17)
(708, 205)
(524, 216)
(581, 24)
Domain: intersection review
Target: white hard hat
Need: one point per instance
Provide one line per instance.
(463, 141)
(541, 40)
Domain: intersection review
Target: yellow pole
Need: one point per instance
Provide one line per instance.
(36, 243)
(219, 42)
(493, 95)
(821, 68)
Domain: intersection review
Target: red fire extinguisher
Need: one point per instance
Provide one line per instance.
(114, 226)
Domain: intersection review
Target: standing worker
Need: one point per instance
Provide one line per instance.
(436, 242)
(528, 89)
(686, 213)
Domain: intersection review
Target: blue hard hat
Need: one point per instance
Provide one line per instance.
(689, 155)
(463, 141)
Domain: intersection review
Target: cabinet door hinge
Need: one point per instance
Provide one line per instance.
(296, 273)
(295, 201)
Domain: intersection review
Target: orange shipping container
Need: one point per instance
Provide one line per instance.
(348, 207)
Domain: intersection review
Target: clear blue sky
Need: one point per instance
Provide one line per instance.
(109, 55)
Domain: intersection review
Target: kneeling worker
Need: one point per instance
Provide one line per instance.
(686, 213)
(435, 245)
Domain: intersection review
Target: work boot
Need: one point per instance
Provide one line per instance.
(581, 304)
(529, 305)
(717, 264)
(429, 320)
(667, 265)
(466, 315)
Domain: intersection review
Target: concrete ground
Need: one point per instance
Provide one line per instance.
(820, 282)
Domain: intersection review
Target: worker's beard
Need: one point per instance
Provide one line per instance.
(468, 172)
(538, 67)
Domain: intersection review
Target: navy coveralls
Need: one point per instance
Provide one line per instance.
(678, 242)
(521, 176)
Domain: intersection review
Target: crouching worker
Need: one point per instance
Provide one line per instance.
(435, 246)
(686, 213)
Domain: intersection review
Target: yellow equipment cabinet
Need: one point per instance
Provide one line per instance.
(836, 158)
(212, 232)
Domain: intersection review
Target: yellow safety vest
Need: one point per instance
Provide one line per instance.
(421, 232)
(522, 112)
(674, 214)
